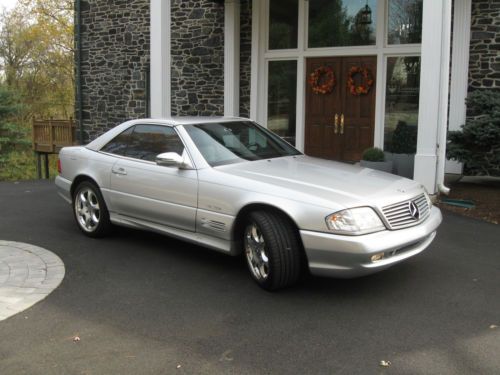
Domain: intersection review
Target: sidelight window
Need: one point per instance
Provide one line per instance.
(282, 98)
(401, 104)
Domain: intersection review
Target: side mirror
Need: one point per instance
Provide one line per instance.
(172, 159)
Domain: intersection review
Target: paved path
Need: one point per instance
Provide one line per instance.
(28, 274)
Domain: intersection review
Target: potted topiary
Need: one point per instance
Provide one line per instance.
(403, 148)
(374, 158)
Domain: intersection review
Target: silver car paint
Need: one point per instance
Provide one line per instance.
(306, 189)
(144, 190)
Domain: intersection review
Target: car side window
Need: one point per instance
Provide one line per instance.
(118, 145)
(148, 141)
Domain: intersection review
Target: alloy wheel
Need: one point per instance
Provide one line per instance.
(87, 210)
(255, 252)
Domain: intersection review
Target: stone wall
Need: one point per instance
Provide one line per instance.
(115, 62)
(197, 37)
(484, 65)
(245, 56)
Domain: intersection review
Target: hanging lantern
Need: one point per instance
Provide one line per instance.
(365, 15)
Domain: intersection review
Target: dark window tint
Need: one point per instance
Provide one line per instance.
(148, 141)
(145, 142)
(119, 144)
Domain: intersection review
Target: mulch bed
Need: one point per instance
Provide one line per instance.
(484, 192)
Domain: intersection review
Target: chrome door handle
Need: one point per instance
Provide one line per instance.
(336, 123)
(119, 171)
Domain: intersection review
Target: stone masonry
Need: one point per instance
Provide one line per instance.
(484, 65)
(116, 58)
(245, 56)
(197, 38)
(115, 62)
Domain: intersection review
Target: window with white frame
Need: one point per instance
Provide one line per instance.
(294, 30)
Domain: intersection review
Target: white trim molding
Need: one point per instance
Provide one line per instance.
(434, 89)
(231, 57)
(160, 59)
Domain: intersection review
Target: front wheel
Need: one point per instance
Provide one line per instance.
(272, 250)
(90, 210)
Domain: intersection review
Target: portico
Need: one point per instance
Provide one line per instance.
(403, 45)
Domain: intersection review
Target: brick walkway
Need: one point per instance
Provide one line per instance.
(28, 274)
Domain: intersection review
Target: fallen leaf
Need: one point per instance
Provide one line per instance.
(226, 356)
(76, 339)
(179, 366)
(385, 363)
(493, 326)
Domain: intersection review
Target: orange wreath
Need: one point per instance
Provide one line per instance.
(325, 74)
(365, 87)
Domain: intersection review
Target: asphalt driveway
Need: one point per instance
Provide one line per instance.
(141, 303)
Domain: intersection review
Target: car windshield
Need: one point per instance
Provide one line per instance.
(235, 141)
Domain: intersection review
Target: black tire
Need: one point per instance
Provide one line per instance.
(90, 211)
(270, 236)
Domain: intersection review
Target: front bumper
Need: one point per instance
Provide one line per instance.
(350, 256)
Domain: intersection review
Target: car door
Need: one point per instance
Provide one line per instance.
(141, 189)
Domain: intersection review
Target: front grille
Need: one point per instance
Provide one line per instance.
(398, 215)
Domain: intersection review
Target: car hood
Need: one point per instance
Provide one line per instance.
(322, 182)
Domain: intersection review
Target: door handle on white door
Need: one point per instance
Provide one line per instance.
(119, 171)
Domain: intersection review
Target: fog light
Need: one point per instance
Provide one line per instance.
(377, 257)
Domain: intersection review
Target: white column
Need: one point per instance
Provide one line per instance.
(300, 114)
(232, 58)
(459, 72)
(255, 72)
(433, 104)
(160, 59)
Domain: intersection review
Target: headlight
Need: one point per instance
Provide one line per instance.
(355, 221)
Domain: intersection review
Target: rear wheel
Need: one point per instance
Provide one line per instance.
(90, 210)
(272, 250)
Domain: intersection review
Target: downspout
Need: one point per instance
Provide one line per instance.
(443, 116)
(78, 20)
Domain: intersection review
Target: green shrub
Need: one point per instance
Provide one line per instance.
(12, 136)
(404, 139)
(373, 154)
(477, 144)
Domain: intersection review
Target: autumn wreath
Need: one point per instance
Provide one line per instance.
(322, 80)
(365, 87)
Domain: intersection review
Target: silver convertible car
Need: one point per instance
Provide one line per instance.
(235, 187)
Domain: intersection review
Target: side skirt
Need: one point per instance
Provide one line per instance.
(218, 244)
